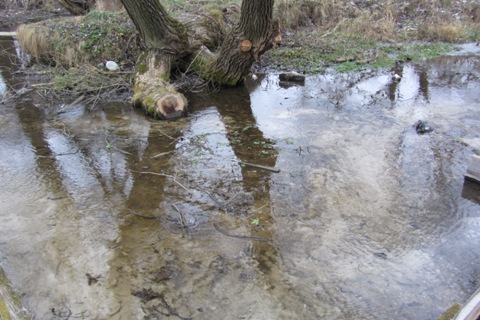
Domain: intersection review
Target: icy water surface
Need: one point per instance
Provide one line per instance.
(107, 214)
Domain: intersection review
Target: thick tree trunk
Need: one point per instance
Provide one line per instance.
(78, 7)
(253, 36)
(191, 45)
(167, 42)
(108, 5)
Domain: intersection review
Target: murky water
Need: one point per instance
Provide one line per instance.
(107, 214)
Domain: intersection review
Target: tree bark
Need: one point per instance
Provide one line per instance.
(253, 36)
(194, 45)
(78, 7)
(109, 5)
(152, 90)
(82, 7)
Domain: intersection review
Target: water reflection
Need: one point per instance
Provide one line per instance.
(124, 217)
(3, 86)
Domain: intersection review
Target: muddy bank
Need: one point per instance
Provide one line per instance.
(107, 214)
(10, 305)
(11, 19)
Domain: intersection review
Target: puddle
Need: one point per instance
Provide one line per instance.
(107, 214)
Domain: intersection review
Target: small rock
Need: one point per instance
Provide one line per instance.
(422, 127)
(396, 77)
(292, 76)
(381, 255)
(111, 65)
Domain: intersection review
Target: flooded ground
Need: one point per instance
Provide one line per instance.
(107, 214)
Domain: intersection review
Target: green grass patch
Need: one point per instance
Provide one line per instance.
(417, 52)
(311, 54)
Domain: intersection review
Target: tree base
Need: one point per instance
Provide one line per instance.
(161, 104)
(152, 92)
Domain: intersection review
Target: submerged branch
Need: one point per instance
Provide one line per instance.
(259, 166)
(182, 219)
(167, 176)
(141, 215)
(239, 236)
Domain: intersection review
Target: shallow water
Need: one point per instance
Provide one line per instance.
(107, 214)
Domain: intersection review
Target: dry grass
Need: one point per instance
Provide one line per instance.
(431, 20)
(73, 41)
(331, 25)
(34, 41)
(48, 47)
(444, 32)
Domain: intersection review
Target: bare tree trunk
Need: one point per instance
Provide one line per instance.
(172, 43)
(78, 7)
(253, 36)
(82, 7)
(109, 5)
(167, 41)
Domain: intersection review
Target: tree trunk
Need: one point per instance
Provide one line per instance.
(253, 36)
(82, 7)
(191, 45)
(109, 5)
(78, 7)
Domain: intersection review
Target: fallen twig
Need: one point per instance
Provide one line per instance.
(182, 219)
(115, 148)
(164, 175)
(71, 105)
(161, 154)
(239, 236)
(141, 215)
(259, 166)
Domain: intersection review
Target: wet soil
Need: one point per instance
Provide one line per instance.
(107, 214)
(10, 19)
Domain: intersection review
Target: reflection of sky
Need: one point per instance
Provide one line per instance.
(275, 107)
(372, 85)
(286, 112)
(409, 86)
(72, 163)
(208, 136)
(16, 153)
(3, 86)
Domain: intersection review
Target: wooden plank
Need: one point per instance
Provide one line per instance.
(473, 169)
(8, 35)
